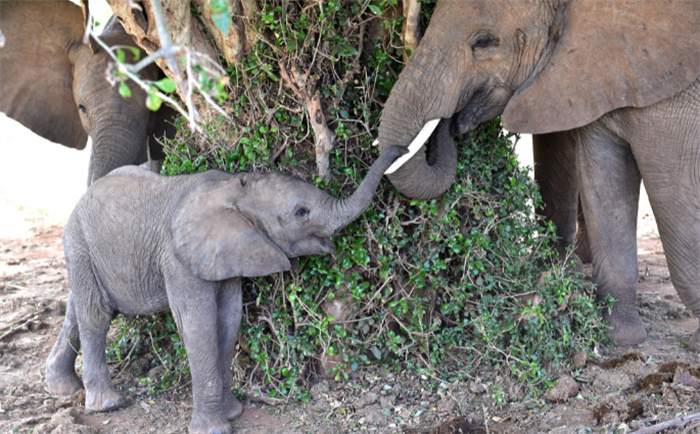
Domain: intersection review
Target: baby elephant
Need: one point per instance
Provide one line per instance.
(138, 243)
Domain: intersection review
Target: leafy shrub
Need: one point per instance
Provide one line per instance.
(439, 286)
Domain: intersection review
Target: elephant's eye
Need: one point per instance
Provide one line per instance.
(302, 212)
(484, 41)
(82, 108)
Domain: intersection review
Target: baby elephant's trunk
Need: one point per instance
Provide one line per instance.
(345, 211)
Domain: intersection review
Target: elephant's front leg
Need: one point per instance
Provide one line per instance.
(230, 311)
(669, 160)
(609, 183)
(193, 304)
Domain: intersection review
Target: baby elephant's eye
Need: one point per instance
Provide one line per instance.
(302, 212)
(82, 108)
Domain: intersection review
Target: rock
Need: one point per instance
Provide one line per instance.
(579, 359)
(477, 387)
(610, 381)
(565, 388)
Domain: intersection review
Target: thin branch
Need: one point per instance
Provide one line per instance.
(678, 422)
(24, 322)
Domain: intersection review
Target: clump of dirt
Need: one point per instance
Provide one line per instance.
(622, 388)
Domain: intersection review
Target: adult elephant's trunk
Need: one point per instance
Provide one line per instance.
(424, 91)
(123, 143)
(343, 212)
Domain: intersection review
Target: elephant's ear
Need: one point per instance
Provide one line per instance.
(36, 78)
(610, 54)
(216, 242)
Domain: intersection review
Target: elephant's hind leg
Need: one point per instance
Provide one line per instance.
(609, 188)
(61, 378)
(555, 173)
(93, 319)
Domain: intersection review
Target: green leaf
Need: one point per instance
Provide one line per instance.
(166, 84)
(376, 10)
(153, 102)
(219, 5)
(221, 15)
(124, 90)
(135, 52)
(121, 56)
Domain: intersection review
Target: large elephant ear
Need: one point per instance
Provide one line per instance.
(36, 77)
(610, 54)
(217, 242)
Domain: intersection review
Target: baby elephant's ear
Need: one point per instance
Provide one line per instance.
(216, 242)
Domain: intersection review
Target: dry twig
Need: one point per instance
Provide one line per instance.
(24, 322)
(325, 137)
(678, 422)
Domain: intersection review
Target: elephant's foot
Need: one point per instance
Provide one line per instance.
(206, 424)
(232, 406)
(107, 400)
(626, 328)
(62, 383)
(694, 344)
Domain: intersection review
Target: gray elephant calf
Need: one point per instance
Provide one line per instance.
(138, 243)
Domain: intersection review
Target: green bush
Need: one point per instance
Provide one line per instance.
(439, 286)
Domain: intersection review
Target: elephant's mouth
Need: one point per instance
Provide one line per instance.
(436, 132)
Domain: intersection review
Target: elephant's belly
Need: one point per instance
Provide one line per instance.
(132, 297)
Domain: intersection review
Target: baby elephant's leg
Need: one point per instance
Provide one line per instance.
(193, 304)
(100, 393)
(93, 316)
(230, 310)
(61, 378)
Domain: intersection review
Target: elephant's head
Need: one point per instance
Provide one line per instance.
(545, 65)
(55, 85)
(252, 224)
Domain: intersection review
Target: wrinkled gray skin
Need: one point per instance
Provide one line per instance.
(613, 90)
(55, 85)
(138, 243)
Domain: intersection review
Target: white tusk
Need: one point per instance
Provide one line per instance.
(417, 143)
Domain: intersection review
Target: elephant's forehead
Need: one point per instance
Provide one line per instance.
(281, 186)
(488, 13)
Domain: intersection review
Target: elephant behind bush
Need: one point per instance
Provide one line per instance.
(56, 86)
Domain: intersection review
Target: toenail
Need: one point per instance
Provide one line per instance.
(111, 404)
(216, 431)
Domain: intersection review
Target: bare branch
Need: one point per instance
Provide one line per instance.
(678, 422)
(412, 29)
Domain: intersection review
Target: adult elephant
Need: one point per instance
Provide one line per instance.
(55, 85)
(616, 83)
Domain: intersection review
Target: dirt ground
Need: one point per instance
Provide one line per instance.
(622, 391)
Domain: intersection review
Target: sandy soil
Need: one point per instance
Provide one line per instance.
(624, 390)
